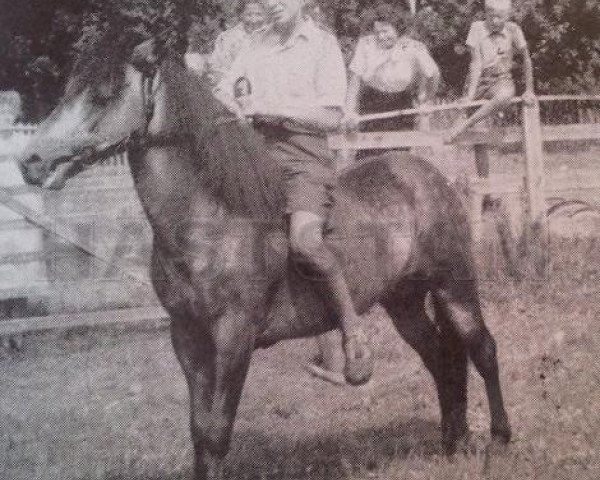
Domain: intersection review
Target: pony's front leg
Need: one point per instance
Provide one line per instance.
(214, 355)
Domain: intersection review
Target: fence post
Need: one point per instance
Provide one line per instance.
(536, 229)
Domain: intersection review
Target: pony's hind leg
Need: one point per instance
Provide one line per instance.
(443, 355)
(215, 361)
(458, 304)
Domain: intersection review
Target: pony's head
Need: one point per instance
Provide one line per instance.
(103, 104)
(107, 99)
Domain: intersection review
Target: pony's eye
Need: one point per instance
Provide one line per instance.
(102, 96)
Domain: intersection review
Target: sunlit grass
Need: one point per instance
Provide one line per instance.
(112, 403)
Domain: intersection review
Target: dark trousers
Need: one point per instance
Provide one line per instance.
(375, 101)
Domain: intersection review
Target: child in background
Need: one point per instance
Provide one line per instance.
(229, 43)
(493, 44)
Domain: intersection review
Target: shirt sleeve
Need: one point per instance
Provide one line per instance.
(331, 81)
(358, 65)
(224, 89)
(519, 41)
(474, 36)
(425, 63)
(217, 57)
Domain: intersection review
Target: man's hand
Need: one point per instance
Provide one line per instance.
(246, 105)
(529, 98)
(424, 99)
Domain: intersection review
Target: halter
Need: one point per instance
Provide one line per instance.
(140, 140)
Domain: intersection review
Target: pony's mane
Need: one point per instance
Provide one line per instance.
(233, 161)
(100, 64)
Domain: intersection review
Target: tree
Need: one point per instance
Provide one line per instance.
(36, 39)
(568, 30)
(564, 38)
(39, 39)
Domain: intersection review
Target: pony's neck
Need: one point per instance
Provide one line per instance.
(167, 175)
(224, 164)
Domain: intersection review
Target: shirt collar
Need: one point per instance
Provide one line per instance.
(503, 32)
(304, 30)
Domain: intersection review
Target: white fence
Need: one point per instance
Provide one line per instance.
(84, 247)
(14, 137)
(100, 213)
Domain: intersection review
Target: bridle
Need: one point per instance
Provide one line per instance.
(141, 140)
(137, 141)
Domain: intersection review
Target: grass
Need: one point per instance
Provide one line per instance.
(112, 404)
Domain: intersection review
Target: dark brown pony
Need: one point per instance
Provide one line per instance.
(212, 195)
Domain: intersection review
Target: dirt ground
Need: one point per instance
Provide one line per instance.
(112, 404)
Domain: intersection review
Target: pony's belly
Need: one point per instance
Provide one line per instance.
(296, 312)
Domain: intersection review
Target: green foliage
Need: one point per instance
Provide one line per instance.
(39, 39)
(563, 35)
(564, 38)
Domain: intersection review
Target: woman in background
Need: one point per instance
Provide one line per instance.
(389, 71)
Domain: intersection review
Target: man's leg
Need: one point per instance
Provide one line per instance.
(482, 160)
(498, 102)
(482, 165)
(308, 248)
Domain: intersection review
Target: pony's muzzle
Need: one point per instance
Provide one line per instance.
(32, 169)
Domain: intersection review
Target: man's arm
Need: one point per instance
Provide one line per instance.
(520, 46)
(429, 76)
(475, 70)
(353, 93)
(527, 70)
(350, 117)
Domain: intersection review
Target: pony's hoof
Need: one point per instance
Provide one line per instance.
(495, 451)
(359, 358)
(501, 437)
(460, 445)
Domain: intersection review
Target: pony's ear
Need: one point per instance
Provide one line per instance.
(145, 57)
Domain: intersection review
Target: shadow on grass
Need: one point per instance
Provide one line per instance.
(349, 451)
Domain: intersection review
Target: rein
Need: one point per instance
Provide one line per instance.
(137, 140)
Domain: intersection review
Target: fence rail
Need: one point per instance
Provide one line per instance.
(532, 126)
(98, 216)
(86, 246)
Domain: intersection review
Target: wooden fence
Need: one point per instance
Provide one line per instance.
(88, 246)
(529, 125)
